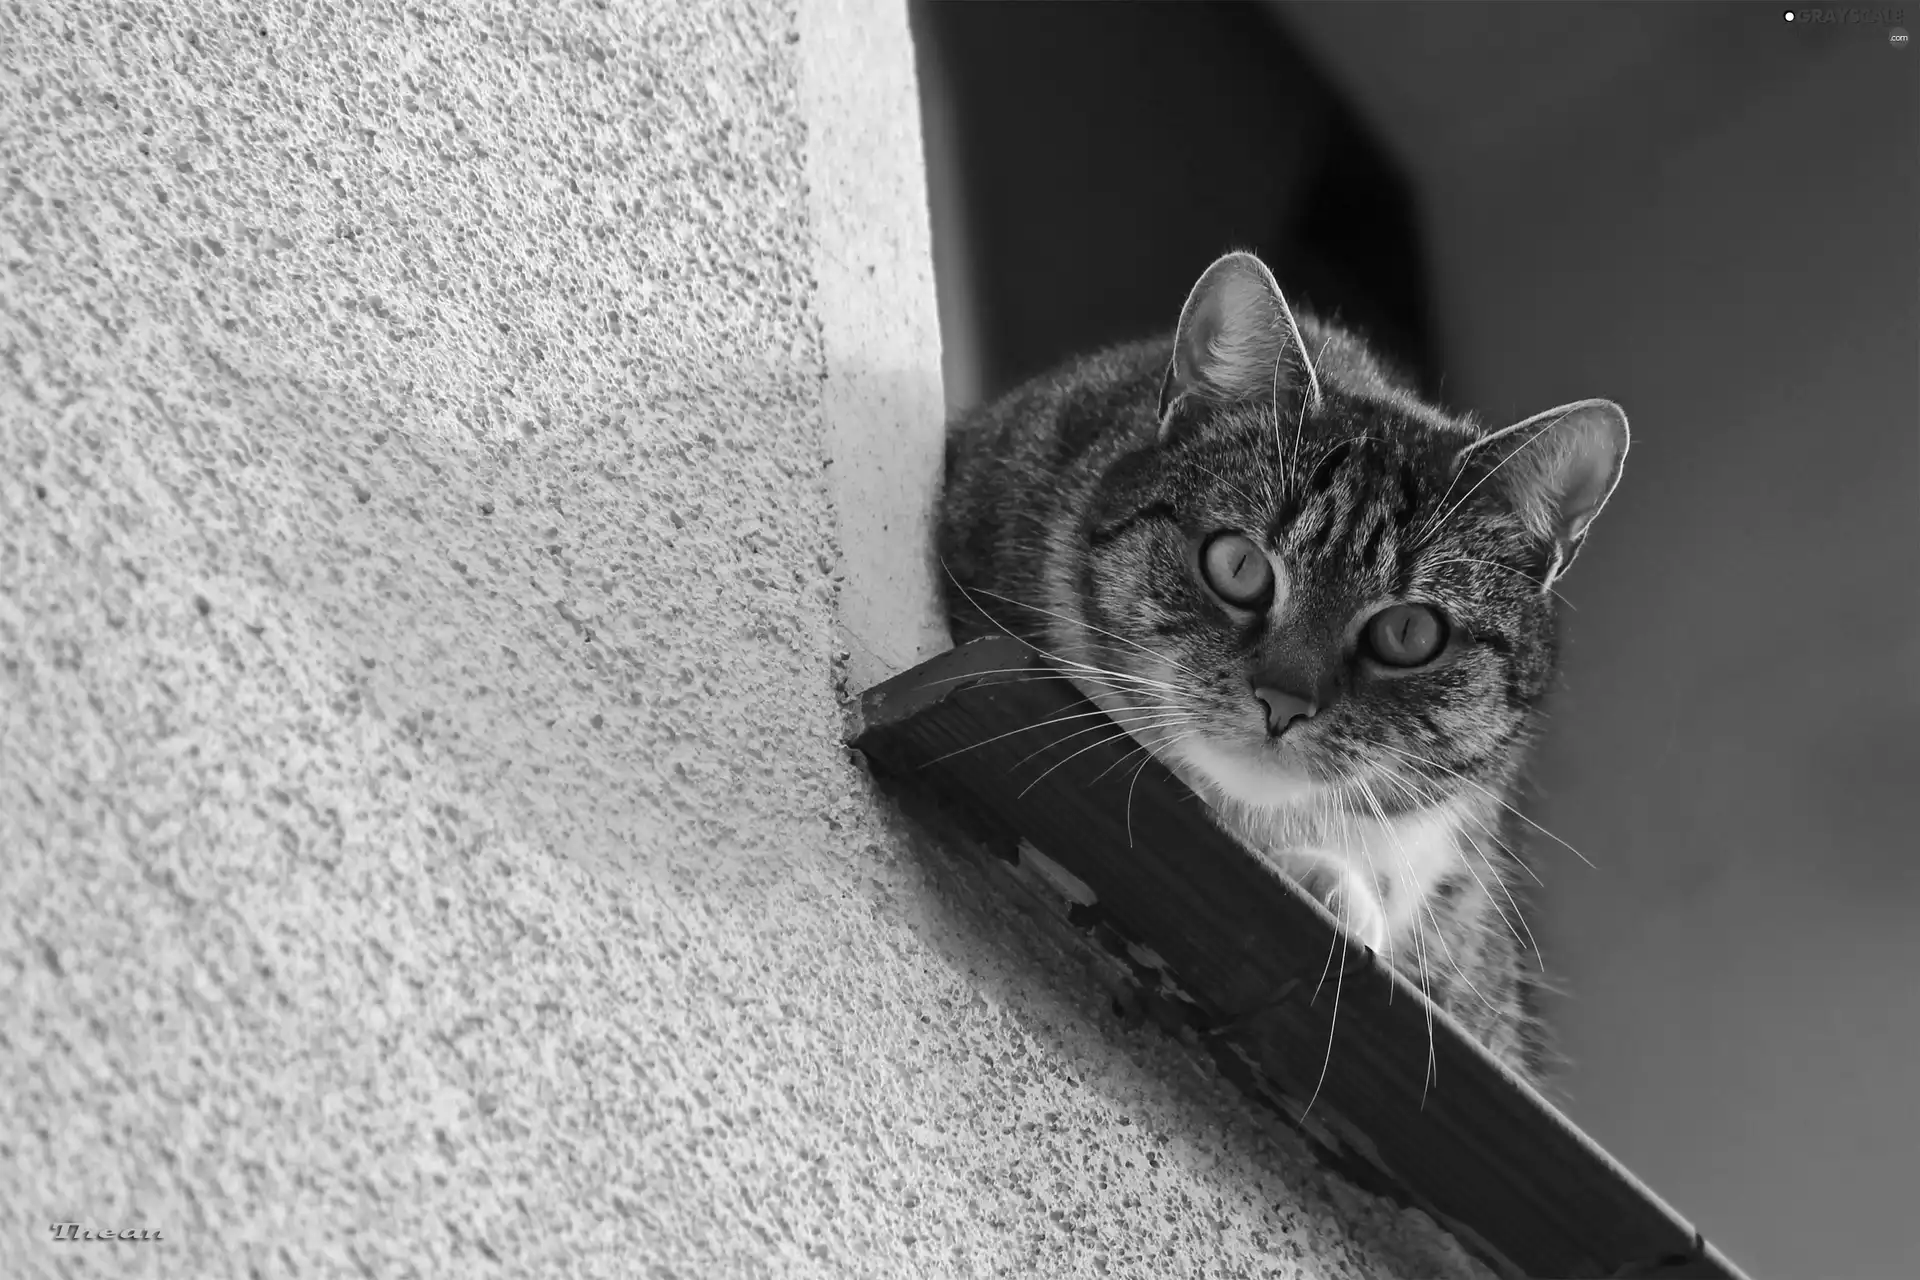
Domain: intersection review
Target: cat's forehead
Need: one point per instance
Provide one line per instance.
(1385, 416)
(1379, 430)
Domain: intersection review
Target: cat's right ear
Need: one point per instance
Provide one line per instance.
(1237, 340)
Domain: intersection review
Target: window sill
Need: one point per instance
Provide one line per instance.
(1194, 932)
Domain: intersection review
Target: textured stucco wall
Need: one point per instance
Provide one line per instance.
(425, 841)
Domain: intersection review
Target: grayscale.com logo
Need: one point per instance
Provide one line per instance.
(1841, 16)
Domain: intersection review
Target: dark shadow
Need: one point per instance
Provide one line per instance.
(1102, 155)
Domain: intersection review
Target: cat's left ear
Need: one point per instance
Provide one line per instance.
(1557, 469)
(1237, 339)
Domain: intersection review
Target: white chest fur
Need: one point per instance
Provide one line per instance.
(1376, 875)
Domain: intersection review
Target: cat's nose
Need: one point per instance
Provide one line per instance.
(1284, 709)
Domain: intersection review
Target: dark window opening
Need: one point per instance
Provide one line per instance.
(1088, 160)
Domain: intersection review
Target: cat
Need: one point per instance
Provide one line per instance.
(1323, 603)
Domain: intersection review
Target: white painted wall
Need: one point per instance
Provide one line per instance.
(425, 839)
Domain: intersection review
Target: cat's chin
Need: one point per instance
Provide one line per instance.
(1260, 778)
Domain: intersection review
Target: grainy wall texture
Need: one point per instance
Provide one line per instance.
(426, 845)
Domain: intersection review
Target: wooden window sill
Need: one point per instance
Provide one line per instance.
(1197, 934)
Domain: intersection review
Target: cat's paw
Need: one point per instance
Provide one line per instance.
(1352, 901)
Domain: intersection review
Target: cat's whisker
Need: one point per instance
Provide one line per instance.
(1373, 877)
(1440, 934)
(1025, 728)
(1474, 844)
(1343, 442)
(1128, 807)
(1109, 723)
(1126, 730)
(1118, 733)
(1512, 928)
(1140, 745)
(1144, 745)
(1279, 443)
(1076, 668)
(999, 737)
(1416, 758)
(1139, 749)
(1313, 400)
(1337, 945)
(1333, 1023)
(1115, 736)
(1346, 824)
(1493, 871)
(1433, 525)
(1300, 344)
(1492, 901)
(1427, 904)
(1495, 564)
(1060, 617)
(1227, 483)
(1492, 832)
(1355, 840)
(1427, 524)
(1104, 688)
(1465, 981)
(1093, 675)
(1419, 936)
(1088, 671)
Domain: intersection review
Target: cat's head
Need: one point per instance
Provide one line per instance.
(1312, 584)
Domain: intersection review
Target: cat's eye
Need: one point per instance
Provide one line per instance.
(1406, 635)
(1237, 570)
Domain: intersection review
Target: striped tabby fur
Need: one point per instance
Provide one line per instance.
(1323, 603)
